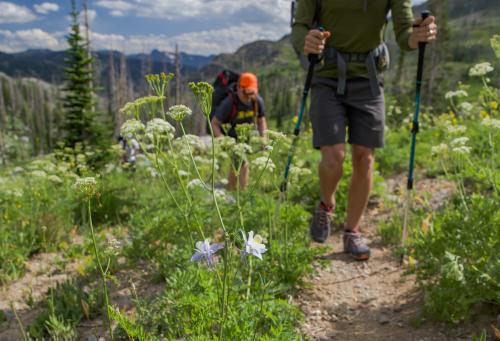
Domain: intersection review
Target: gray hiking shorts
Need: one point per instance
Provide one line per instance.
(358, 110)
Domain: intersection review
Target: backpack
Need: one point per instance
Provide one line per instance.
(225, 86)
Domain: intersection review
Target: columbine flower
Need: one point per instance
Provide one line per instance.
(264, 162)
(157, 126)
(132, 127)
(456, 129)
(179, 112)
(205, 250)
(491, 123)
(87, 186)
(458, 93)
(481, 69)
(253, 245)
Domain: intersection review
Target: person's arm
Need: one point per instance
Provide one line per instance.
(305, 38)
(216, 126)
(221, 116)
(262, 125)
(407, 36)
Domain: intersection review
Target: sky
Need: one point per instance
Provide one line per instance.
(201, 27)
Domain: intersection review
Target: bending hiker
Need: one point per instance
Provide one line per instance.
(347, 92)
(243, 105)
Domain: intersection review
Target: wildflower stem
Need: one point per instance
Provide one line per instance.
(249, 280)
(103, 273)
(191, 156)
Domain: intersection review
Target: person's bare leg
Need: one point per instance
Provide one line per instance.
(363, 159)
(330, 171)
(244, 175)
(231, 179)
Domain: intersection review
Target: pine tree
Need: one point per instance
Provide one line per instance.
(80, 121)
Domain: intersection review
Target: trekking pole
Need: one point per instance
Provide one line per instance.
(313, 60)
(414, 131)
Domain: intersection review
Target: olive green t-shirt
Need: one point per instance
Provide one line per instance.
(355, 26)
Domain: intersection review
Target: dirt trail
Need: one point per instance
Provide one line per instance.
(43, 272)
(375, 300)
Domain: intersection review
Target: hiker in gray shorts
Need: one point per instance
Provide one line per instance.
(347, 94)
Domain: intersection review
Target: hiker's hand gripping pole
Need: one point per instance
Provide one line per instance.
(414, 131)
(313, 60)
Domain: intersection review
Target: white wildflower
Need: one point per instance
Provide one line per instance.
(458, 93)
(55, 179)
(241, 149)
(462, 150)
(254, 245)
(160, 127)
(87, 186)
(491, 123)
(439, 149)
(465, 107)
(459, 142)
(182, 173)
(132, 127)
(458, 129)
(179, 112)
(264, 162)
(480, 69)
(205, 251)
(39, 173)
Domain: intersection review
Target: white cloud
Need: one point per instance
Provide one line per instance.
(46, 7)
(117, 13)
(15, 41)
(276, 10)
(15, 14)
(202, 42)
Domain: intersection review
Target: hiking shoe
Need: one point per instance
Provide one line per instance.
(321, 223)
(355, 245)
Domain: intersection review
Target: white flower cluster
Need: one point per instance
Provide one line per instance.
(132, 127)
(160, 127)
(458, 93)
(439, 149)
(458, 129)
(179, 112)
(459, 146)
(491, 123)
(241, 149)
(225, 143)
(480, 69)
(465, 108)
(264, 162)
(87, 186)
(298, 172)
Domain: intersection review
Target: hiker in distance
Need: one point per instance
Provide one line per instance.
(243, 105)
(347, 92)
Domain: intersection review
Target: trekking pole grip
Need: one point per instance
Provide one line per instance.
(314, 58)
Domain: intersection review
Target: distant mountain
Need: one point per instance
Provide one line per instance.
(49, 65)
